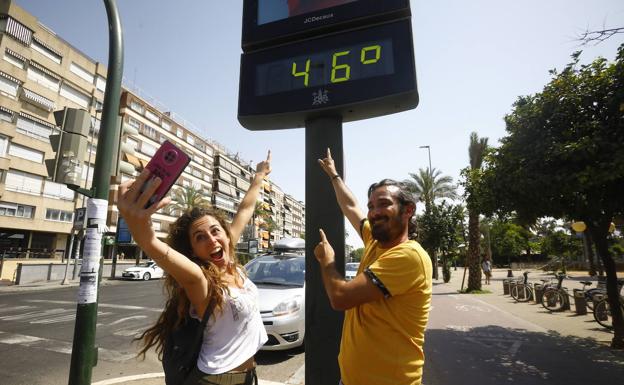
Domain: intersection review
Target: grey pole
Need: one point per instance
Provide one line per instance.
(323, 324)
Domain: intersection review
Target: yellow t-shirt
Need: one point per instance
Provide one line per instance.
(382, 341)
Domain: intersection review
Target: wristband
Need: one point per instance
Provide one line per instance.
(335, 176)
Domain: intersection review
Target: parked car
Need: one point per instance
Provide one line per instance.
(144, 271)
(280, 278)
(351, 269)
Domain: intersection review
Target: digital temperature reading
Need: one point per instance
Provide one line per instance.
(355, 62)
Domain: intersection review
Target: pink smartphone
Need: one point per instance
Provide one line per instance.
(167, 163)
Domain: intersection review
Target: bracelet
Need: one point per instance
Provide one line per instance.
(335, 176)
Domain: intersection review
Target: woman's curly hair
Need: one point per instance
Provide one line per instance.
(178, 305)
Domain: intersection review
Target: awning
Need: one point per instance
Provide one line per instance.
(40, 121)
(133, 160)
(143, 162)
(19, 31)
(44, 70)
(17, 55)
(35, 98)
(47, 46)
(11, 78)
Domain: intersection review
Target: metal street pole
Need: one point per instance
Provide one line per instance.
(435, 258)
(84, 352)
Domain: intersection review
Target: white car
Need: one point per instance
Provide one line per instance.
(351, 269)
(144, 271)
(280, 279)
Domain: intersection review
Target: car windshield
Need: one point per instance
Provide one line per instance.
(287, 270)
(146, 264)
(351, 266)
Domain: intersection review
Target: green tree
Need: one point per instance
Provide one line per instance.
(439, 230)
(357, 254)
(507, 241)
(562, 157)
(476, 151)
(427, 187)
(186, 198)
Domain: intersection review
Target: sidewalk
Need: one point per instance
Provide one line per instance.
(566, 323)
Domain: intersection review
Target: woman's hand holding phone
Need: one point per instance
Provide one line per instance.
(132, 201)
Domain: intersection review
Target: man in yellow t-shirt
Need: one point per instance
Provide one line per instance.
(387, 303)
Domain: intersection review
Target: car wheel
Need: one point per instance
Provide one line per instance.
(146, 276)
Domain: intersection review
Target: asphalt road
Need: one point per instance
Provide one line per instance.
(36, 333)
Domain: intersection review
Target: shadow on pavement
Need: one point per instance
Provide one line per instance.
(264, 357)
(495, 355)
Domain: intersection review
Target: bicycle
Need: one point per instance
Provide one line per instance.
(522, 290)
(602, 310)
(555, 298)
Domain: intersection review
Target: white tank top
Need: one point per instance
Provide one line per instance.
(235, 334)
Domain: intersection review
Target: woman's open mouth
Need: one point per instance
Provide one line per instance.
(217, 256)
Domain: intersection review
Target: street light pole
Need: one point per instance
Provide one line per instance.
(434, 260)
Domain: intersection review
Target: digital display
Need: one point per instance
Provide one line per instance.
(274, 10)
(268, 23)
(350, 63)
(354, 74)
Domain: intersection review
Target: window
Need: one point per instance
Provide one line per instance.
(6, 115)
(148, 149)
(75, 96)
(34, 127)
(196, 172)
(179, 133)
(26, 153)
(149, 131)
(100, 83)
(134, 123)
(57, 190)
(138, 107)
(38, 75)
(8, 85)
(59, 215)
(152, 116)
(81, 72)
(46, 50)
(190, 140)
(23, 182)
(16, 210)
(166, 125)
(14, 59)
(4, 143)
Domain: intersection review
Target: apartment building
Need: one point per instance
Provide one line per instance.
(41, 73)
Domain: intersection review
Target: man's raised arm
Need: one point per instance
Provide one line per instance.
(344, 196)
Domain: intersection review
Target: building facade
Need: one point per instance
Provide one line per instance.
(41, 73)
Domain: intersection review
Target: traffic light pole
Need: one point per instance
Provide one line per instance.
(84, 352)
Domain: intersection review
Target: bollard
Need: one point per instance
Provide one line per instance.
(509, 273)
(505, 287)
(580, 304)
(538, 288)
(566, 299)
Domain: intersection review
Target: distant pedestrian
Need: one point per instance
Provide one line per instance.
(486, 265)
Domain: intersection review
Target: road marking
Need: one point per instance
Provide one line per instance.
(105, 305)
(464, 307)
(59, 346)
(13, 308)
(137, 377)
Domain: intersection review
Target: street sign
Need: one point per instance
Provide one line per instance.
(123, 233)
(80, 219)
(356, 74)
(269, 22)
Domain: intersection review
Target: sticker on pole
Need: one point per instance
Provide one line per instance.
(87, 292)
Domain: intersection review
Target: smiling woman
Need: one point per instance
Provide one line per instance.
(202, 273)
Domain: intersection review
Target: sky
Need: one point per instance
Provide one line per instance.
(473, 60)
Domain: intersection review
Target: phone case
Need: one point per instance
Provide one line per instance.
(167, 163)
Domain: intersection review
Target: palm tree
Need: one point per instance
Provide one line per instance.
(476, 152)
(186, 198)
(428, 186)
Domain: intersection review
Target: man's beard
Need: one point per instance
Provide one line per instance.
(389, 229)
